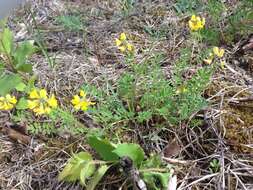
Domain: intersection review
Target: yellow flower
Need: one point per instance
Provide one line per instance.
(118, 42)
(40, 102)
(122, 49)
(209, 60)
(8, 102)
(222, 64)
(181, 90)
(122, 37)
(34, 94)
(130, 47)
(196, 23)
(123, 45)
(52, 102)
(219, 52)
(81, 102)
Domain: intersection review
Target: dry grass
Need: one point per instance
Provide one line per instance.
(78, 61)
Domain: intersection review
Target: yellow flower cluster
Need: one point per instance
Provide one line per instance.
(80, 102)
(40, 102)
(219, 52)
(7, 102)
(196, 23)
(123, 45)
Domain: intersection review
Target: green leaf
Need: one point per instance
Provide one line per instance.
(23, 51)
(30, 84)
(103, 147)
(6, 41)
(21, 87)
(8, 83)
(133, 151)
(27, 68)
(86, 172)
(22, 104)
(97, 177)
(151, 178)
(72, 171)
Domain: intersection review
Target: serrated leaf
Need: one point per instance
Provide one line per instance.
(103, 147)
(97, 177)
(133, 151)
(8, 83)
(22, 104)
(6, 41)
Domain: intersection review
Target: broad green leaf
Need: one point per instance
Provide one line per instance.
(72, 170)
(22, 104)
(23, 51)
(21, 87)
(97, 177)
(6, 41)
(86, 172)
(30, 84)
(27, 68)
(8, 83)
(156, 180)
(103, 147)
(2, 66)
(133, 151)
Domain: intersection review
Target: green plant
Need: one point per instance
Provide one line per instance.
(240, 22)
(143, 95)
(214, 166)
(127, 6)
(14, 67)
(185, 6)
(82, 167)
(70, 22)
(59, 120)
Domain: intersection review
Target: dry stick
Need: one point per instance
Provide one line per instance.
(186, 176)
(176, 161)
(239, 180)
(199, 180)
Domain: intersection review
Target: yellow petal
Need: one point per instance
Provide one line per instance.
(52, 102)
(39, 110)
(219, 52)
(43, 93)
(47, 110)
(84, 106)
(208, 61)
(1, 105)
(34, 94)
(122, 49)
(82, 93)
(193, 18)
(32, 104)
(203, 21)
(75, 100)
(130, 47)
(9, 106)
(222, 64)
(78, 106)
(122, 37)
(11, 99)
(118, 42)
